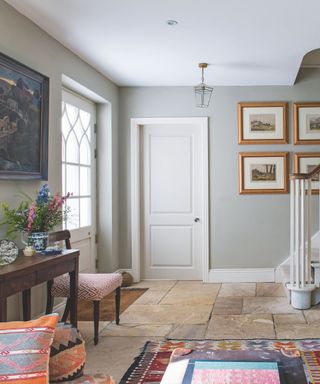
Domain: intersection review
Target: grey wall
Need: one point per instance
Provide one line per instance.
(25, 42)
(247, 231)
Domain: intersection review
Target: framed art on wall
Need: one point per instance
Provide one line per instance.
(262, 123)
(24, 104)
(306, 121)
(306, 162)
(263, 172)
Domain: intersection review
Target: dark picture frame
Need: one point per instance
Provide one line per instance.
(24, 119)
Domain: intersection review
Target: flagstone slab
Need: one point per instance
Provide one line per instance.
(240, 327)
(292, 318)
(166, 314)
(270, 290)
(273, 305)
(136, 330)
(151, 297)
(191, 293)
(188, 331)
(228, 306)
(237, 289)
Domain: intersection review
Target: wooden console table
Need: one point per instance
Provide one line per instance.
(26, 272)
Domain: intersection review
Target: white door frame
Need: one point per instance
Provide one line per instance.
(136, 126)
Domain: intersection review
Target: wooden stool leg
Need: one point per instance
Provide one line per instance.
(96, 315)
(118, 295)
(66, 311)
(50, 298)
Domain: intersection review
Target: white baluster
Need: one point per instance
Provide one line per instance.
(292, 223)
(297, 235)
(302, 234)
(308, 229)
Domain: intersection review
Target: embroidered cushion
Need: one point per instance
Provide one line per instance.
(91, 286)
(68, 355)
(25, 349)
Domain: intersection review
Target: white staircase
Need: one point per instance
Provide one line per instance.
(302, 274)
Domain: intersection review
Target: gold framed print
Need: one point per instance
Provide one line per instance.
(263, 172)
(306, 122)
(306, 162)
(263, 123)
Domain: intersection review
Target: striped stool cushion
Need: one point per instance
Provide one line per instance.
(92, 286)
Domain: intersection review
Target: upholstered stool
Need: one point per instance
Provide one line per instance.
(91, 287)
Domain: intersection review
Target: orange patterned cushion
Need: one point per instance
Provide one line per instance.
(25, 349)
(68, 354)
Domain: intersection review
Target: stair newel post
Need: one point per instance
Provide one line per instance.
(292, 227)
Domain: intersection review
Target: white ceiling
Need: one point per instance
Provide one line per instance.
(248, 42)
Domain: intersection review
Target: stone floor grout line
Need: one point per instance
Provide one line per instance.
(170, 289)
(274, 326)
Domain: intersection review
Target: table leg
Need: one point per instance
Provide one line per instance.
(74, 294)
(3, 309)
(26, 304)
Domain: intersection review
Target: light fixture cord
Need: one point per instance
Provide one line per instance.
(202, 75)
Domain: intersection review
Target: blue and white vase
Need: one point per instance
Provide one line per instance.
(38, 240)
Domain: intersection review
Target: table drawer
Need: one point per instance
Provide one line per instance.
(24, 282)
(54, 271)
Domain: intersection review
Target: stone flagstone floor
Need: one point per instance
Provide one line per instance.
(194, 310)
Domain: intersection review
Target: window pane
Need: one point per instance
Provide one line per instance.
(65, 126)
(73, 215)
(63, 179)
(72, 178)
(85, 181)
(72, 113)
(85, 209)
(85, 119)
(63, 150)
(72, 149)
(78, 130)
(85, 152)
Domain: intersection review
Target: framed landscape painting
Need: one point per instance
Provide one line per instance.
(263, 172)
(262, 123)
(306, 162)
(306, 120)
(24, 98)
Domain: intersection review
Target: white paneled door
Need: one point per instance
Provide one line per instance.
(172, 201)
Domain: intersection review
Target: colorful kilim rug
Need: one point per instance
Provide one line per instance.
(150, 365)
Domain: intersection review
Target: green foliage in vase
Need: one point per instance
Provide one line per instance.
(40, 215)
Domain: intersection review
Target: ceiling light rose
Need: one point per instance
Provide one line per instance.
(202, 91)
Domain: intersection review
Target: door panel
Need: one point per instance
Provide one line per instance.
(170, 166)
(171, 200)
(177, 252)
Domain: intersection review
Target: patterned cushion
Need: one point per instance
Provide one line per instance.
(96, 379)
(68, 354)
(92, 286)
(24, 350)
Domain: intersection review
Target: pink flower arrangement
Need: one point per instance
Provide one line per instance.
(39, 215)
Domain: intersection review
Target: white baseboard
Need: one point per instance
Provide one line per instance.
(242, 275)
